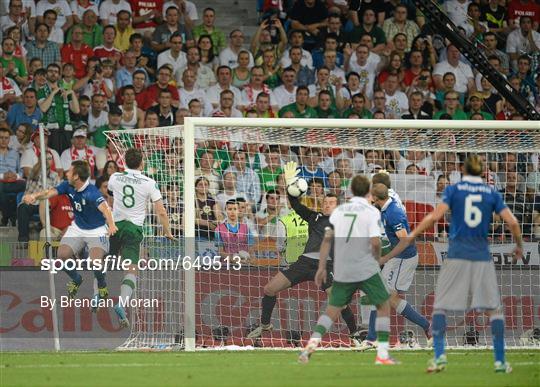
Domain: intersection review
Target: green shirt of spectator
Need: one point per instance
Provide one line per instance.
(208, 28)
(451, 107)
(222, 159)
(456, 115)
(364, 113)
(300, 108)
(115, 117)
(476, 102)
(17, 67)
(92, 35)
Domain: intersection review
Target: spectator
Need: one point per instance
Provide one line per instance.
(111, 10)
(205, 75)
(232, 236)
(313, 200)
(114, 122)
(262, 106)
(416, 62)
(358, 105)
(494, 14)
(415, 112)
(161, 38)
(226, 106)
(229, 191)
(206, 49)
(56, 33)
(456, 10)
(20, 141)
(425, 46)
(17, 17)
(296, 39)
(190, 92)
(34, 184)
(77, 52)
(11, 182)
(110, 161)
(124, 30)
(379, 104)
(304, 74)
(337, 75)
(14, 67)
(248, 182)
(79, 6)
(396, 100)
(174, 56)
(124, 74)
(334, 29)
(208, 28)
(523, 40)
(229, 55)
(361, 64)
(528, 87)
(451, 107)
(224, 79)
(299, 108)
(107, 49)
(80, 151)
(241, 74)
(164, 109)
(449, 84)
(325, 81)
(42, 48)
(474, 28)
(325, 108)
(188, 11)
(25, 112)
(256, 86)
(208, 213)
(267, 218)
(286, 93)
(462, 71)
(359, 7)
(394, 66)
(32, 155)
(400, 24)
(330, 44)
(139, 88)
(63, 11)
(98, 115)
(492, 102)
(92, 32)
(262, 39)
(310, 168)
(163, 82)
(20, 51)
(56, 105)
(519, 8)
(490, 49)
(369, 26)
(206, 170)
(309, 16)
(146, 58)
(61, 216)
(476, 101)
(146, 16)
(272, 70)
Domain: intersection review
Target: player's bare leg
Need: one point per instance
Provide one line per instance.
(126, 290)
(277, 284)
(324, 323)
(66, 252)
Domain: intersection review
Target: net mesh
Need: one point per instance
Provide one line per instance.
(245, 163)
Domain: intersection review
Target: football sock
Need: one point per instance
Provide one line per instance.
(372, 332)
(407, 311)
(497, 331)
(438, 329)
(100, 278)
(323, 325)
(348, 317)
(76, 277)
(382, 326)
(268, 303)
(128, 285)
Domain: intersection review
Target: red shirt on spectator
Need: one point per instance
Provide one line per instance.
(516, 9)
(61, 212)
(146, 99)
(79, 58)
(113, 53)
(142, 7)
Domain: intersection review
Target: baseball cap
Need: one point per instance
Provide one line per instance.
(115, 110)
(79, 133)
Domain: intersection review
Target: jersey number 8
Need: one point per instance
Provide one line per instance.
(128, 198)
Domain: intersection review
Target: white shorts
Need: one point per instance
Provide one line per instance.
(399, 273)
(77, 238)
(464, 285)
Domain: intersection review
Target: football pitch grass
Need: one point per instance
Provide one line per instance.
(260, 368)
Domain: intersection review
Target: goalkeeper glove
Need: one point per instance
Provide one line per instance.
(291, 172)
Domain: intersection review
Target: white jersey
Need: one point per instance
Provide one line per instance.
(131, 192)
(354, 224)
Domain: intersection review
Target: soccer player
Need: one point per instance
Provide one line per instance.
(356, 235)
(383, 177)
(88, 230)
(468, 273)
(305, 267)
(131, 191)
(399, 271)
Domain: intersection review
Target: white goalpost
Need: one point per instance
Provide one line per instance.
(208, 302)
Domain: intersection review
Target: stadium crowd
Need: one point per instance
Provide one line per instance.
(81, 68)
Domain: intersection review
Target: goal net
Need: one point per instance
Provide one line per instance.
(209, 162)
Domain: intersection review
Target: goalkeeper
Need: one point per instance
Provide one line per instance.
(305, 267)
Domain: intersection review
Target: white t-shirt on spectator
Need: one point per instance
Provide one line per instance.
(4, 7)
(516, 43)
(177, 63)
(307, 60)
(29, 159)
(62, 8)
(367, 73)
(284, 97)
(109, 10)
(213, 92)
(425, 166)
(456, 11)
(462, 72)
(186, 96)
(78, 10)
(227, 57)
(397, 103)
(96, 122)
(247, 101)
(57, 35)
(81, 155)
(191, 10)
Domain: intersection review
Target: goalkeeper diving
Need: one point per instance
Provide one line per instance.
(305, 267)
(131, 191)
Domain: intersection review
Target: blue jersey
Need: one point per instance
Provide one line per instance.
(394, 219)
(472, 204)
(85, 205)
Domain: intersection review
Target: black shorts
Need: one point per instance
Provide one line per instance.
(304, 270)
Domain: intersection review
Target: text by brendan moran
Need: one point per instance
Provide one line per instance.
(66, 302)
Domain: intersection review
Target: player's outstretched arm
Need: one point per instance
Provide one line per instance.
(106, 211)
(326, 245)
(42, 195)
(161, 212)
(513, 225)
(401, 234)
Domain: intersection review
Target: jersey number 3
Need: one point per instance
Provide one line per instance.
(473, 214)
